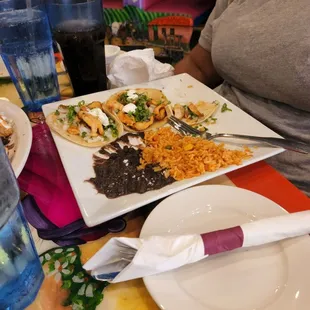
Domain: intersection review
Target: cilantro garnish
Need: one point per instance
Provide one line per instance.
(57, 112)
(142, 113)
(123, 98)
(71, 114)
(142, 99)
(114, 130)
(225, 108)
(81, 103)
(84, 133)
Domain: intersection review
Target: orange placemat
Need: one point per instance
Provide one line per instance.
(266, 181)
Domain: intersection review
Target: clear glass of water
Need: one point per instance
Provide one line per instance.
(21, 274)
(9, 5)
(26, 49)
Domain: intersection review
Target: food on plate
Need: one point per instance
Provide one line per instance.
(7, 135)
(116, 169)
(90, 125)
(140, 162)
(185, 157)
(139, 109)
(225, 108)
(193, 114)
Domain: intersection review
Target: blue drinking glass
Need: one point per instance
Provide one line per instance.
(21, 274)
(26, 49)
(6, 5)
(9, 5)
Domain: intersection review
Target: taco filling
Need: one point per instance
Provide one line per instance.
(6, 135)
(194, 113)
(137, 110)
(85, 124)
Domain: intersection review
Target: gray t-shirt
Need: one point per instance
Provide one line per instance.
(261, 48)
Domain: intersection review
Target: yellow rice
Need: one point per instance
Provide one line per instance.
(186, 157)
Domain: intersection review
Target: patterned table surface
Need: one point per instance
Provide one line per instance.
(132, 295)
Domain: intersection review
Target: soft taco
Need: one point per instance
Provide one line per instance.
(90, 125)
(192, 113)
(139, 109)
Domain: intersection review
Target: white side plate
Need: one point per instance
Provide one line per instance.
(273, 277)
(23, 133)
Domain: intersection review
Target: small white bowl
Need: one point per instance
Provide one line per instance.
(111, 51)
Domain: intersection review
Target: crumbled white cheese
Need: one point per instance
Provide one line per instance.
(102, 116)
(132, 95)
(95, 139)
(130, 107)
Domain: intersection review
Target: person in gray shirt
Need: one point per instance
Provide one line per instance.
(258, 51)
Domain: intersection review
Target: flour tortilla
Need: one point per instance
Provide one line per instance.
(57, 127)
(154, 94)
(206, 108)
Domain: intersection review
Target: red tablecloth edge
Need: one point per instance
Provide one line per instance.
(266, 181)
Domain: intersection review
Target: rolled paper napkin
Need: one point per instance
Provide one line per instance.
(123, 259)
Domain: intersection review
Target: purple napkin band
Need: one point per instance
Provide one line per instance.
(222, 240)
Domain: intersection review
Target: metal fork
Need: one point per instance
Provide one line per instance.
(291, 145)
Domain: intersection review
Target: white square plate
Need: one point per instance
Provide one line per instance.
(78, 162)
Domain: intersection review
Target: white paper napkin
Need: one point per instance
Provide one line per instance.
(123, 259)
(137, 67)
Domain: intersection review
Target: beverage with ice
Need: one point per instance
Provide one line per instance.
(26, 49)
(21, 273)
(82, 44)
(78, 28)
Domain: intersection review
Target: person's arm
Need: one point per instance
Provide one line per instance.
(199, 62)
(199, 65)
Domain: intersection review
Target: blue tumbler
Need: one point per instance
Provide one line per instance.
(21, 274)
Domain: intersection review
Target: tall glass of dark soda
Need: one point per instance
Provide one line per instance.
(78, 28)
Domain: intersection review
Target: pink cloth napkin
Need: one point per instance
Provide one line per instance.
(45, 179)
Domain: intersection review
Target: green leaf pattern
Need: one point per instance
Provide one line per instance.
(64, 265)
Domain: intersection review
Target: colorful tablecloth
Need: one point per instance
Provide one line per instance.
(67, 286)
